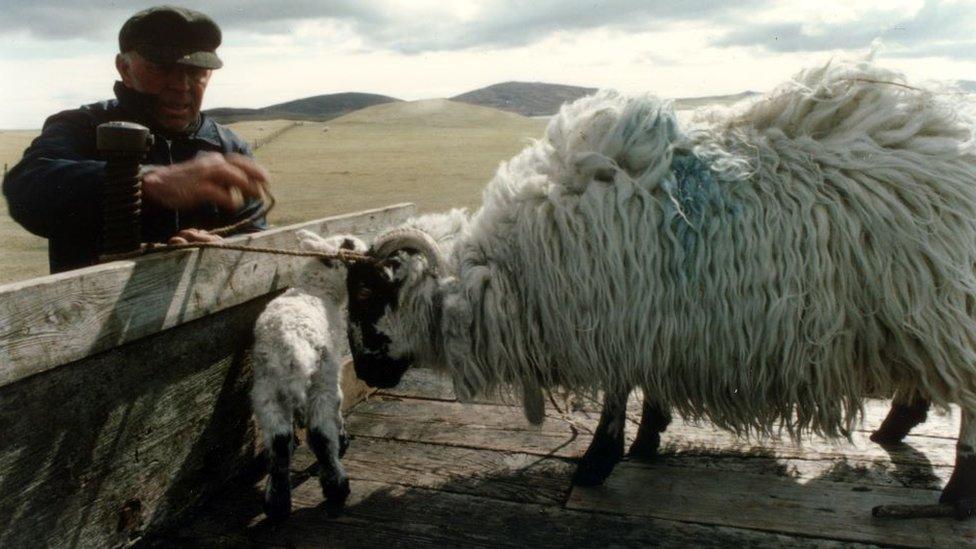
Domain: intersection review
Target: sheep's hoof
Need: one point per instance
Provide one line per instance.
(592, 474)
(645, 448)
(335, 491)
(960, 491)
(964, 508)
(901, 419)
(277, 504)
(598, 462)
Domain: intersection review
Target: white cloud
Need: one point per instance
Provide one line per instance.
(411, 50)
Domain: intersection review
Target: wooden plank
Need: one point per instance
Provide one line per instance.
(99, 450)
(53, 320)
(825, 509)
(379, 514)
(547, 480)
(464, 425)
(504, 428)
(429, 384)
(511, 476)
(926, 465)
(877, 472)
(422, 383)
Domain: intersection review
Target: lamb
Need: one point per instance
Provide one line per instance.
(297, 371)
(767, 270)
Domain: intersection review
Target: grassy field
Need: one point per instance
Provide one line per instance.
(438, 154)
(22, 255)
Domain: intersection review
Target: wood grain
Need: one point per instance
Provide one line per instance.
(154, 427)
(831, 510)
(50, 321)
(504, 428)
(386, 515)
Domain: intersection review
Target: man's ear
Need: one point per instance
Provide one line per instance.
(122, 65)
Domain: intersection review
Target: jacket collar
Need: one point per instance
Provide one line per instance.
(139, 105)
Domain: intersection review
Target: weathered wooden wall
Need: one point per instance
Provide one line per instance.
(124, 387)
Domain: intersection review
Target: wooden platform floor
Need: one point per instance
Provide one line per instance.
(429, 471)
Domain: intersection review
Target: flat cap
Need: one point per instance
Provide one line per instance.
(171, 34)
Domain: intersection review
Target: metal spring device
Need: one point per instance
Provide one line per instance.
(123, 145)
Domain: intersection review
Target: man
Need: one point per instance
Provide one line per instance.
(196, 173)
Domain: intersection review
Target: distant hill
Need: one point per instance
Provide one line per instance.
(525, 98)
(317, 108)
(436, 113)
(538, 99)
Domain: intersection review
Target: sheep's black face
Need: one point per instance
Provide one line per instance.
(372, 294)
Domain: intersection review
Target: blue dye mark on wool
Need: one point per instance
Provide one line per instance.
(692, 189)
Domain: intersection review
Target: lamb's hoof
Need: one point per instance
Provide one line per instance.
(645, 448)
(277, 504)
(335, 491)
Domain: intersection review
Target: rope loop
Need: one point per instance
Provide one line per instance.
(268, 202)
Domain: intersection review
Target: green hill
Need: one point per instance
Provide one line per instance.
(318, 108)
(525, 98)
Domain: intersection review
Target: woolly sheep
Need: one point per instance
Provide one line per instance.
(297, 371)
(768, 269)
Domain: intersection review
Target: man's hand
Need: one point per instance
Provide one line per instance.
(222, 179)
(194, 235)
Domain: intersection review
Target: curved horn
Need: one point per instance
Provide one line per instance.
(409, 239)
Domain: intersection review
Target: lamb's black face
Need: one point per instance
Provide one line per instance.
(373, 292)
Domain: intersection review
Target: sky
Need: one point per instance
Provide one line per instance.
(55, 57)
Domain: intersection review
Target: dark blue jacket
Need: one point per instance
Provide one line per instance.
(54, 191)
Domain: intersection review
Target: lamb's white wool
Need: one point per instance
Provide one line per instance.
(293, 338)
(771, 268)
(291, 344)
(296, 365)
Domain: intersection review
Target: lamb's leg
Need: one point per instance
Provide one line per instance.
(607, 447)
(654, 420)
(275, 417)
(327, 435)
(908, 409)
(960, 491)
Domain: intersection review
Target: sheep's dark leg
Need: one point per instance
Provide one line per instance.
(654, 420)
(327, 437)
(960, 491)
(277, 493)
(275, 414)
(607, 447)
(907, 411)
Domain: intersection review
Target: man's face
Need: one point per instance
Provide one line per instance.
(178, 88)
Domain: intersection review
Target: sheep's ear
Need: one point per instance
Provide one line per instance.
(392, 269)
(353, 244)
(307, 240)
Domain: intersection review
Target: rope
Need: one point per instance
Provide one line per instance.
(345, 256)
(268, 201)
